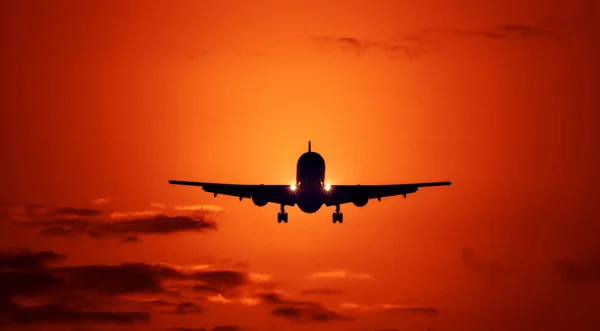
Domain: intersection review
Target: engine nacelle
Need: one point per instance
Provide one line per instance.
(360, 200)
(259, 200)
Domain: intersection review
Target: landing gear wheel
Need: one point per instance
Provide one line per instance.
(282, 217)
(338, 217)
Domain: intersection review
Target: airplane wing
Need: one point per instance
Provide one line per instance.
(279, 194)
(340, 194)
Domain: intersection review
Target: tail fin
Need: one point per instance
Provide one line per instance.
(309, 145)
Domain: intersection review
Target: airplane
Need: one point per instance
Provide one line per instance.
(310, 191)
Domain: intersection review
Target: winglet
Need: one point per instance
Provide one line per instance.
(309, 145)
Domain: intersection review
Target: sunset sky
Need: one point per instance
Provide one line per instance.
(103, 102)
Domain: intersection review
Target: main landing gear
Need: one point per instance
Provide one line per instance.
(282, 216)
(337, 216)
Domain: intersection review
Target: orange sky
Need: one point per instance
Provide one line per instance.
(109, 99)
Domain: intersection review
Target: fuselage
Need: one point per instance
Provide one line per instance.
(310, 182)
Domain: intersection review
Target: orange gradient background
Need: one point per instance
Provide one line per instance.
(110, 99)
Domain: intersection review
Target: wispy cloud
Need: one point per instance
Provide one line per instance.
(428, 40)
(95, 223)
(502, 31)
(209, 208)
(157, 205)
(339, 274)
(216, 328)
(321, 291)
(409, 47)
(101, 201)
(390, 308)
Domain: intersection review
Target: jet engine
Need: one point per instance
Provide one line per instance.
(259, 197)
(259, 200)
(360, 200)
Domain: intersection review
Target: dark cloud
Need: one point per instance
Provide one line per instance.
(220, 279)
(113, 279)
(306, 311)
(409, 47)
(426, 41)
(500, 31)
(584, 269)
(314, 313)
(205, 289)
(100, 293)
(216, 328)
(226, 328)
(23, 259)
(187, 308)
(412, 310)
(131, 239)
(128, 226)
(472, 261)
(63, 314)
(321, 291)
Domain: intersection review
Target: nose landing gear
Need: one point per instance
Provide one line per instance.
(337, 216)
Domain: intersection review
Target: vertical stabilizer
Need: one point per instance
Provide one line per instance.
(309, 145)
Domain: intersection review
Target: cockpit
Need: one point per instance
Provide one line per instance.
(310, 170)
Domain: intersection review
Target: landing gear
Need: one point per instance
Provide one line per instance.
(282, 216)
(337, 216)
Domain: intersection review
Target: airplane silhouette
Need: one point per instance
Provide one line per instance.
(310, 191)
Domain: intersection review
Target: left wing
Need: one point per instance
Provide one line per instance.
(279, 194)
(340, 194)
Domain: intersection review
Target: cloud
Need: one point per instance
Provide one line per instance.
(307, 311)
(474, 262)
(35, 287)
(211, 208)
(184, 308)
(216, 328)
(584, 269)
(101, 201)
(410, 309)
(391, 308)
(409, 47)
(157, 205)
(94, 223)
(413, 46)
(131, 239)
(27, 260)
(314, 313)
(503, 31)
(62, 314)
(226, 328)
(339, 274)
(321, 291)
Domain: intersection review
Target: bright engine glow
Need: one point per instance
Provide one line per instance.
(293, 187)
(327, 187)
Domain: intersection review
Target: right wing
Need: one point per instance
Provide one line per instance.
(341, 194)
(279, 194)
